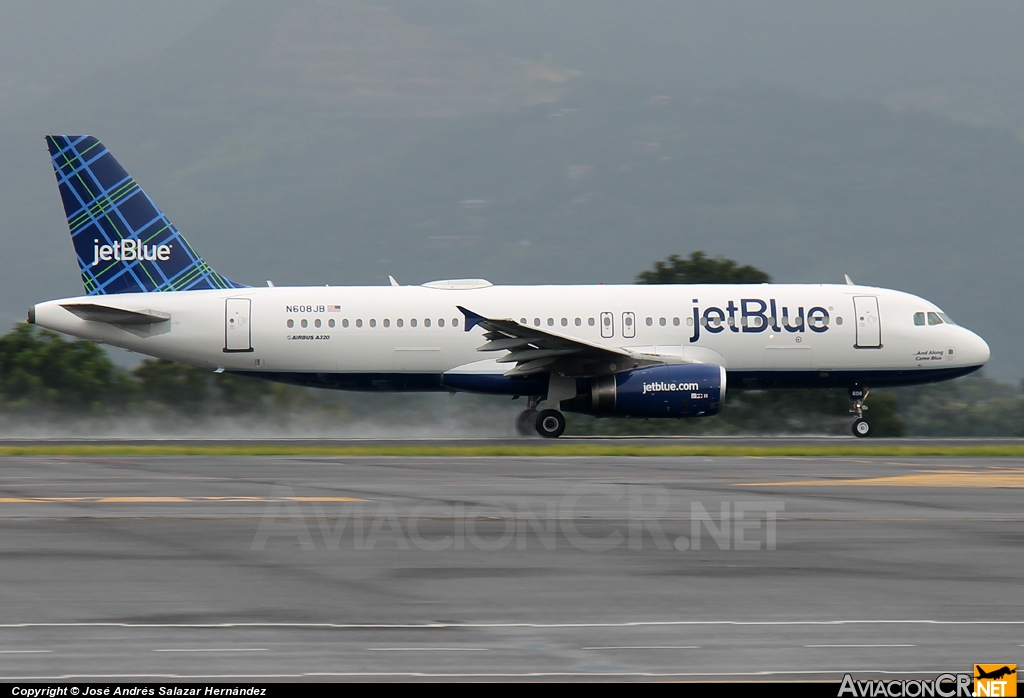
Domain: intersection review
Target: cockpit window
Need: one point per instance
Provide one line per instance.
(934, 319)
(919, 319)
(946, 319)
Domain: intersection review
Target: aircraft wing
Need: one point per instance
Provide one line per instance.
(534, 350)
(115, 316)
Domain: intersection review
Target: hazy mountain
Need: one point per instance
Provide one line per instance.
(338, 142)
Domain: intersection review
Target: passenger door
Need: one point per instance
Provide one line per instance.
(237, 330)
(869, 326)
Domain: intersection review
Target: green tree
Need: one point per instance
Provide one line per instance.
(242, 394)
(40, 369)
(177, 387)
(701, 269)
(883, 415)
(970, 406)
(196, 392)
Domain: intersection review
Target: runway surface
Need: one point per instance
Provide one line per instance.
(742, 441)
(383, 568)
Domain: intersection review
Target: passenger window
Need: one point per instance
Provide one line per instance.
(291, 323)
(675, 322)
(536, 322)
(373, 322)
(590, 321)
(426, 322)
(344, 323)
(934, 319)
(399, 322)
(661, 322)
(565, 322)
(359, 323)
(386, 323)
(330, 323)
(455, 322)
(551, 322)
(412, 322)
(522, 321)
(316, 323)
(304, 323)
(650, 321)
(440, 322)
(578, 322)
(919, 319)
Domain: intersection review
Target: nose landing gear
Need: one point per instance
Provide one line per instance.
(858, 395)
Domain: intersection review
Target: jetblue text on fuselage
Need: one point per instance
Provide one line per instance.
(755, 315)
(129, 251)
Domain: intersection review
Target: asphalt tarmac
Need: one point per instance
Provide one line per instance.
(379, 568)
(748, 441)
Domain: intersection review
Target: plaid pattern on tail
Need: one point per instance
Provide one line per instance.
(124, 243)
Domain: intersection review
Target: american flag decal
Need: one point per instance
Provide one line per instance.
(334, 308)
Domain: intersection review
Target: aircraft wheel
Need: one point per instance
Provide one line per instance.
(550, 424)
(526, 423)
(861, 428)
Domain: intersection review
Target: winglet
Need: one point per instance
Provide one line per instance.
(392, 280)
(472, 319)
(849, 281)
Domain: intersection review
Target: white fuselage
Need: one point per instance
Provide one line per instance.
(749, 329)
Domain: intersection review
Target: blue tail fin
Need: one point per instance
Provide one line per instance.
(124, 243)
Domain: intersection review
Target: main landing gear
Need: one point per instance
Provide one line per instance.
(548, 423)
(861, 427)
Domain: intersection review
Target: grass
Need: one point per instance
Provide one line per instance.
(524, 450)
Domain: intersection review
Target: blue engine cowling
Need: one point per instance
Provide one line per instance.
(675, 390)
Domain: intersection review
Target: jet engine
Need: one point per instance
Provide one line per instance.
(673, 390)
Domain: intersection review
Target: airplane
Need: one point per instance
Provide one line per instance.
(994, 674)
(645, 351)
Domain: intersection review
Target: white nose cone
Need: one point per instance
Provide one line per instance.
(977, 350)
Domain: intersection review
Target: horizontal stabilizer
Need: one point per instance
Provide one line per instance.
(115, 316)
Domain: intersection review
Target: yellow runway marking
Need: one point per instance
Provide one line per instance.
(138, 500)
(991, 478)
(167, 500)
